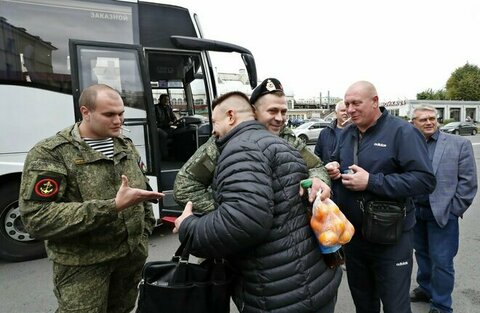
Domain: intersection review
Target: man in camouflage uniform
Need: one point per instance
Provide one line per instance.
(270, 105)
(94, 220)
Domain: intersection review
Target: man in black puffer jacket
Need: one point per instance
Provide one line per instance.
(260, 223)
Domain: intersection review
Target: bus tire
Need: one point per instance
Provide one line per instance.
(15, 243)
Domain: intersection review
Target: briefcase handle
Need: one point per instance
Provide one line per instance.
(183, 251)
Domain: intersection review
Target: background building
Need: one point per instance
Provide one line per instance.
(447, 110)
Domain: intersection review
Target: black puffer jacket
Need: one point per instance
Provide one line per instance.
(261, 226)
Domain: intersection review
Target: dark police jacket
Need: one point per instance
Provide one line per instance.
(261, 226)
(394, 154)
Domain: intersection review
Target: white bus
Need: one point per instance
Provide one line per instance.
(50, 50)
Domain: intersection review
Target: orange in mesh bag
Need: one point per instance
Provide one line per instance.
(329, 224)
(331, 228)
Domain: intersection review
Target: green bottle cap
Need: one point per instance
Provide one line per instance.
(306, 183)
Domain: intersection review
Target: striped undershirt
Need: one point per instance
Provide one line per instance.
(104, 146)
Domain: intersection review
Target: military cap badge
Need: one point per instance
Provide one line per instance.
(270, 86)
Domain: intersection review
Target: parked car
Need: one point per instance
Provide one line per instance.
(296, 122)
(309, 131)
(460, 128)
(315, 119)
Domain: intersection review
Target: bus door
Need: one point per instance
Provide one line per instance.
(122, 67)
(179, 75)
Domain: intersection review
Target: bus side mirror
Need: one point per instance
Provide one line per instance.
(249, 62)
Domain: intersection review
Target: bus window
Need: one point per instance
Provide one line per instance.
(200, 101)
(37, 51)
(180, 76)
(117, 68)
(230, 73)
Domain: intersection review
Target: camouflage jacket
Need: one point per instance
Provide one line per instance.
(194, 178)
(67, 197)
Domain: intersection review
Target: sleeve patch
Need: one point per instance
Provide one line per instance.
(46, 188)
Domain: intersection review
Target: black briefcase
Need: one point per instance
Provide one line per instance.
(177, 286)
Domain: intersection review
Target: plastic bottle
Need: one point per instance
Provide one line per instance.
(306, 185)
(333, 256)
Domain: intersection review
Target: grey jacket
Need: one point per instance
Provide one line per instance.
(454, 167)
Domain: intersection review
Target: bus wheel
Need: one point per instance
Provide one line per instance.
(15, 243)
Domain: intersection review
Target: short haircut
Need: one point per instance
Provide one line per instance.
(337, 106)
(423, 108)
(364, 86)
(230, 94)
(89, 95)
(163, 96)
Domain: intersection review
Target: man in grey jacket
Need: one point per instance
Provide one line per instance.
(436, 230)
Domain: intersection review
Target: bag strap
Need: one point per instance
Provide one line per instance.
(355, 149)
(361, 198)
(183, 251)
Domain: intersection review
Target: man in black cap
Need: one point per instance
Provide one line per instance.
(270, 107)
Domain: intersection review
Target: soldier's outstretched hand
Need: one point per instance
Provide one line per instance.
(128, 196)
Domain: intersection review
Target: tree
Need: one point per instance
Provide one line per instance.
(431, 94)
(464, 83)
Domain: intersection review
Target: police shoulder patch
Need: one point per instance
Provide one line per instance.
(46, 188)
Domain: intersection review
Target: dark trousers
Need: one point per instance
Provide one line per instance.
(435, 249)
(380, 273)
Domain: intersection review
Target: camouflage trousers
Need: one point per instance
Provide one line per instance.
(99, 288)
